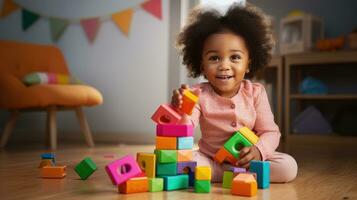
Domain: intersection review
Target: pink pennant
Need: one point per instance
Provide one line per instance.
(153, 7)
(91, 27)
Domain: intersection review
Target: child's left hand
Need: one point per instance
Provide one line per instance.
(247, 154)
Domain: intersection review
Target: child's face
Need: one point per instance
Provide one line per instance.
(225, 60)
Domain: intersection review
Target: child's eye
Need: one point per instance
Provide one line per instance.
(213, 58)
(235, 57)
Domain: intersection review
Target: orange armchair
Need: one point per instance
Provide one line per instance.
(19, 59)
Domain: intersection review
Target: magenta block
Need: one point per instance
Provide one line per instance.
(184, 165)
(123, 169)
(165, 114)
(174, 130)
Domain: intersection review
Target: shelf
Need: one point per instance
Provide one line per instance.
(322, 57)
(327, 97)
(320, 139)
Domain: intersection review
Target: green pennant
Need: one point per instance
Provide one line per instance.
(28, 18)
(57, 26)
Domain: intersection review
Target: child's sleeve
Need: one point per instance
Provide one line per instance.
(265, 127)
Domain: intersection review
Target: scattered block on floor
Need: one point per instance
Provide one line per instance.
(186, 167)
(134, 185)
(262, 169)
(227, 179)
(189, 101)
(202, 186)
(244, 185)
(235, 143)
(53, 171)
(51, 156)
(46, 162)
(184, 155)
(176, 182)
(166, 156)
(166, 143)
(156, 184)
(184, 143)
(224, 155)
(85, 168)
(249, 135)
(174, 130)
(147, 163)
(166, 114)
(166, 169)
(122, 169)
(203, 173)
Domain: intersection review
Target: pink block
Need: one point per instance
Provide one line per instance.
(174, 130)
(165, 114)
(122, 169)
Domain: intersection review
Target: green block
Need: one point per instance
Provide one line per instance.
(166, 169)
(156, 184)
(235, 143)
(85, 168)
(175, 182)
(166, 156)
(227, 179)
(202, 186)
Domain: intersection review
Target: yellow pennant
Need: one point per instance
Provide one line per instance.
(123, 20)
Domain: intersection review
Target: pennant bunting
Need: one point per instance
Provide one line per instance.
(28, 18)
(153, 7)
(123, 20)
(57, 27)
(8, 7)
(91, 27)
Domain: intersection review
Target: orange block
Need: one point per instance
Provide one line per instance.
(134, 185)
(244, 185)
(45, 162)
(168, 143)
(222, 155)
(189, 101)
(53, 171)
(184, 155)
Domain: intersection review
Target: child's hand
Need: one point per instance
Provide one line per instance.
(247, 154)
(176, 99)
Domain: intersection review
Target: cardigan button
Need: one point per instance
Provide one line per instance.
(233, 106)
(233, 124)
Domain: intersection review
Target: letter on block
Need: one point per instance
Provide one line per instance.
(235, 143)
(175, 182)
(244, 185)
(166, 169)
(166, 143)
(166, 156)
(202, 186)
(262, 169)
(134, 185)
(249, 135)
(222, 155)
(174, 130)
(147, 163)
(156, 184)
(165, 114)
(203, 173)
(184, 155)
(184, 142)
(122, 169)
(85, 168)
(189, 101)
(186, 167)
(53, 171)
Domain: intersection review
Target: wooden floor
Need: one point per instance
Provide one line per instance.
(325, 172)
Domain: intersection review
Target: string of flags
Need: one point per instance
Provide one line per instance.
(122, 19)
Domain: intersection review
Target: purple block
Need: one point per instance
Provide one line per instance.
(182, 165)
(236, 170)
(174, 130)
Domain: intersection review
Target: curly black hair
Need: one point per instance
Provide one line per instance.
(247, 21)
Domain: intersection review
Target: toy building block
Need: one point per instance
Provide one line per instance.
(46, 162)
(166, 143)
(227, 179)
(147, 163)
(262, 169)
(53, 171)
(224, 155)
(235, 143)
(237, 170)
(51, 156)
(166, 169)
(166, 114)
(189, 101)
(85, 168)
(156, 184)
(203, 173)
(184, 155)
(175, 182)
(174, 130)
(249, 135)
(166, 156)
(184, 143)
(191, 179)
(244, 185)
(122, 169)
(186, 167)
(202, 186)
(134, 185)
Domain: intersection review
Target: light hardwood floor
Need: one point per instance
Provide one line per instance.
(325, 172)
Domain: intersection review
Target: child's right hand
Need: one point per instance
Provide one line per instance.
(176, 99)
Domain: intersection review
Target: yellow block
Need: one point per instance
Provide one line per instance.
(249, 135)
(147, 163)
(203, 173)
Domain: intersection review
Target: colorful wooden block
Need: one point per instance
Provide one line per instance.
(244, 185)
(184, 143)
(262, 169)
(122, 169)
(184, 155)
(174, 130)
(147, 163)
(189, 101)
(166, 169)
(191, 179)
(176, 182)
(85, 168)
(186, 167)
(166, 156)
(237, 170)
(202, 186)
(249, 135)
(156, 184)
(227, 179)
(51, 156)
(235, 143)
(46, 162)
(134, 185)
(53, 171)
(166, 143)
(166, 114)
(224, 155)
(203, 173)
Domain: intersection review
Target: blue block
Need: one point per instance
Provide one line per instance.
(262, 169)
(184, 142)
(49, 156)
(175, 182)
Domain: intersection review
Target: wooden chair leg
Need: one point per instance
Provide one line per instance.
(10, 124)
(52, 127)
(84, 127)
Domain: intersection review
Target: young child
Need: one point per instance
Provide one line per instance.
(225, 49)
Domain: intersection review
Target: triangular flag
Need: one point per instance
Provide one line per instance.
(28, 18)
(153, 7)
(90, 27)
(123, 20)
(57, 26)
(8, 7)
